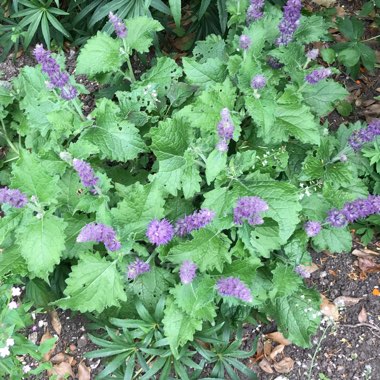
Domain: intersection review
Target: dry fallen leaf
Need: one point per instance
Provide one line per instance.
(265, 366)
(267, 347)
(278, 338)
(364, 253)
(61, 371)
(45, 337)
(368, 265)
(362, 317)
(329, 309)
(55, 322)
(284, 366)
(277, 350)
(59, 358)
(325, 3)
(344, 301)
(84, 373)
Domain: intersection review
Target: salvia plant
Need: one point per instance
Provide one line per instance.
(202, 183)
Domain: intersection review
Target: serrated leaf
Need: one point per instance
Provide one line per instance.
(74, 225)
(11, 261)
(245, 269)
(196, 299)
(30, 177)
(93, 285)
(208, 249)
(312, 28)
(41, 243)
(285, 281)
(179, 327)
(215, 163)
(101, 54)
(265, 238)
(212, 47)
(9, 223)
(335, 240)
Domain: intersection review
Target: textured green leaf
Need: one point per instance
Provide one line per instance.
(42, 242)
(215, 163)
(265, 238)
(208, 249)
(9, 223)
(245, 269)
(93, 285)
(101, 54)
(312, 28)
(179, 327)
(212, 47)
(30, 177)
(11, 261)
(285, 281)
(335, 240)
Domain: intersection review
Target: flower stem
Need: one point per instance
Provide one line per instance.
(4, 133)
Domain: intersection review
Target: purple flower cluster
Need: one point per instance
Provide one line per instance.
(233, 287)
(255, 10)
(58, 79)
(85, 172)
(312, 228)
(364, 135)
(249, 208)
(290, 21)
(258, 82)
(118, 24)
(225, 130)
(312, 54)
(187, 272)
(195, 221)
(100, 233)
(14, 197)
(136, 268)
(317, 75)
(244, 42)
(302, 271)
(355, 210)
(160, 232)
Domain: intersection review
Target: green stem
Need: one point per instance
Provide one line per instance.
(74, 102)
(133, 79)
(4, 133)
(372, 38)
(141, 369)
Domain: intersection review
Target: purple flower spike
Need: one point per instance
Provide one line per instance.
(195, 221)
(336, 218)
(302, 271)
(99, 233)
(222, 146)
(233, 287)
(118, 24)
(258, 82)
(13, 197)
(244, 42)
(136, 268)
(249, 208)
(58, 79)
(187, 272)
(290, 22)
(317, 75)
(255, 10)
(160, 232)
(225, 126)
(312, 228)
(69, 93)
(312, 54)
(85, 172)
(364, 135)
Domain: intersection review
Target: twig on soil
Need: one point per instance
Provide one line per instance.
(374, 327)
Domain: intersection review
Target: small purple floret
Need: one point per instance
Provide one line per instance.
(99, 233)
(312, 54)
(258, 82)
(364, 135)
(187, 272)
(255, 10)
(249, 208)
(118, 24)
(312, 228)
(290, 22)
(160, 232)
(195, 221)
(302, 272)
(336, 218)
(85, 172)
(244, 42)
(136, 268)
(13, 197)
(69, 92)
(317, 75)
(225, 126)
(222, 146)
(234, 287)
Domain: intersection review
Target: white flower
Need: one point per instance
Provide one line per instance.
(13, 305)
(26, 368)
(4, 352)
(16, 292)
(10, 342)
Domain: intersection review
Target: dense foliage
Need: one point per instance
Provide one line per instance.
(186, 201)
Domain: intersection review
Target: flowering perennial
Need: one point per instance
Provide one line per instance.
(99, 233)
(317, 75)
(14, 197)
(160, 232)
(312, 228)
(118, 24)
(187, 272)
(249, 208)
(364, 135)
(312, 54)
(195, 221)
(302, 271)
(136, 268)
(234, 287)
(244, 42)
(255, 10)
(225, 129)
(85, 172)
(258, 82)
(290, 21)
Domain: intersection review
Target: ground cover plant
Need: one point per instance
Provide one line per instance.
(184, 204)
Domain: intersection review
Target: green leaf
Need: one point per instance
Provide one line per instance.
(215, 163)
(312, 28)
(31, 178)
(367, 55)
(351, 27)
(245, 269)
(328, 55)
(39, 292)
(208, 249)
(11, 261)
(140, 205)
(297, 316)
(93, 285)
(196, 299)
(9, 223)
(335, 240)
(322, 96)
(175, 9)
(179, 327)
(265, 238)
(101, 54)
(212, 47)
(42, 242)
(285, 281)
(349, 57)
(140, 33)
